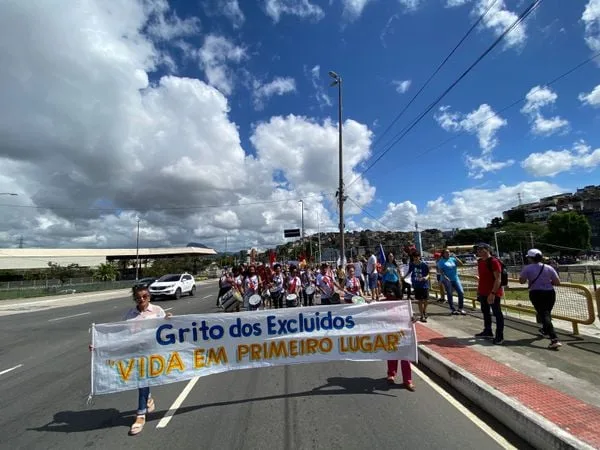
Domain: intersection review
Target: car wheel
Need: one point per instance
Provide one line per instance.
(193, 291)
(178, 294)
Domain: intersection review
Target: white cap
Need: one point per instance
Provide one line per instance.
(532, 253)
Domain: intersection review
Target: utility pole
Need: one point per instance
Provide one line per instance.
(21, 242)
(137, 250)
(337, 81)
(531, 238)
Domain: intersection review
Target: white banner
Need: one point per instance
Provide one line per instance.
(133, 354)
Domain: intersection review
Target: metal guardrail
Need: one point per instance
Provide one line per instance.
(58, 289)
(574, 302)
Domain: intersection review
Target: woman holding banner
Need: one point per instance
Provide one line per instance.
(142, 311)
(390, 293)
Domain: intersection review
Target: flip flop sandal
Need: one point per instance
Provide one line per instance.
(137, 426)
(150, 405)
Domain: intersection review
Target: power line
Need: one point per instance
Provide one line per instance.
(513, 104)
(400, 135)
(435, 72)
(369, 214)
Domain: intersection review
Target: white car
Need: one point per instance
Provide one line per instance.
(173, 285)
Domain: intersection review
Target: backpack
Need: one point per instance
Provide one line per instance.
(503, 271)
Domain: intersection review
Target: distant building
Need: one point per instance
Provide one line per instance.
(585, 201)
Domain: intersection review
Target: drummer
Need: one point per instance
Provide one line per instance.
(352, 285)
(308, 286)
(293, 283)
(251, 285)
(276, 287)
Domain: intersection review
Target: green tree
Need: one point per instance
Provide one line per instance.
(516, 216)
(472, 236)
(106, 272)
(496, 222)
(569, 229)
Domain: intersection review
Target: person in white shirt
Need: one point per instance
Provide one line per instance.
(325, 284)
(358, 272)
(142, 311)
(372, 276)
(352, 286)
(293, 284)
(276, 287)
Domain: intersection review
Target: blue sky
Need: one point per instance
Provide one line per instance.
(389, 43)
(211, 118)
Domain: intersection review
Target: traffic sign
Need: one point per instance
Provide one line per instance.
(292, 232)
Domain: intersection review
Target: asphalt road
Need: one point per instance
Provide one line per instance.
(318, 406)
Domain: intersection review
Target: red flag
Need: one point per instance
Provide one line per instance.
(272, 258)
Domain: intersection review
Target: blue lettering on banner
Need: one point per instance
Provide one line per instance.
(303, 323)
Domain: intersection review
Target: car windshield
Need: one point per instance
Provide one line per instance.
(169, 278)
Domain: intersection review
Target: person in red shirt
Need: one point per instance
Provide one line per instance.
(489, 293)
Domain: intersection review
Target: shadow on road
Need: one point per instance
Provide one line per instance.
(96, 419)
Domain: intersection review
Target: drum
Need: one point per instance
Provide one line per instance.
(310, 290)
(254, 301)
(358, 300)
(232, 302)
(291, 300)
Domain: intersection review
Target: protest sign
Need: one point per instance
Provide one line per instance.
(133, 354)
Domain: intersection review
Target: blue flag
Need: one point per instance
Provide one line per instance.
(381, 255)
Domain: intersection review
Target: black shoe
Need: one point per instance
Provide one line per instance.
(455, 313)
(543, 333)
(485, 334)
(498, 340)
(423, 319)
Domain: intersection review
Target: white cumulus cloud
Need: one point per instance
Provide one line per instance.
(537, 98)
(215, 55)
(401, 85)
(303, 9)
(591, 98)
(498, 19)
(485, 124)
(473, 207)
(553, 162)
(279, 86)
(591, 21)
(353, 9)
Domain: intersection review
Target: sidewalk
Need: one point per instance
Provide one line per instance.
(549, 398)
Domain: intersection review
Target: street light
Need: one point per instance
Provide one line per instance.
(137, 250)
(337, 81)
(496, 241)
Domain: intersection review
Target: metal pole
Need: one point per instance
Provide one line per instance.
(302, 220)
(531, 237)
(137, 251)
(319, 233)
(341, 164)
(496, 240)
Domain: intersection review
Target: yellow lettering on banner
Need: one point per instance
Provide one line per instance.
(175, 363)
(293, 348)
(277, 349)
(242, 350)
(142, 367)
(125, 372)
(218, 356)
(157, 365)
(311, 346)
(325, 345)
(199, 358)
(255, 350)
(392, 342)
(369, 344)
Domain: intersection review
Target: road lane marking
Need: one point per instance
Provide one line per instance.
(463, 409)
(177, 403)
(11, 369)
(207, 296)
(69, 317)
